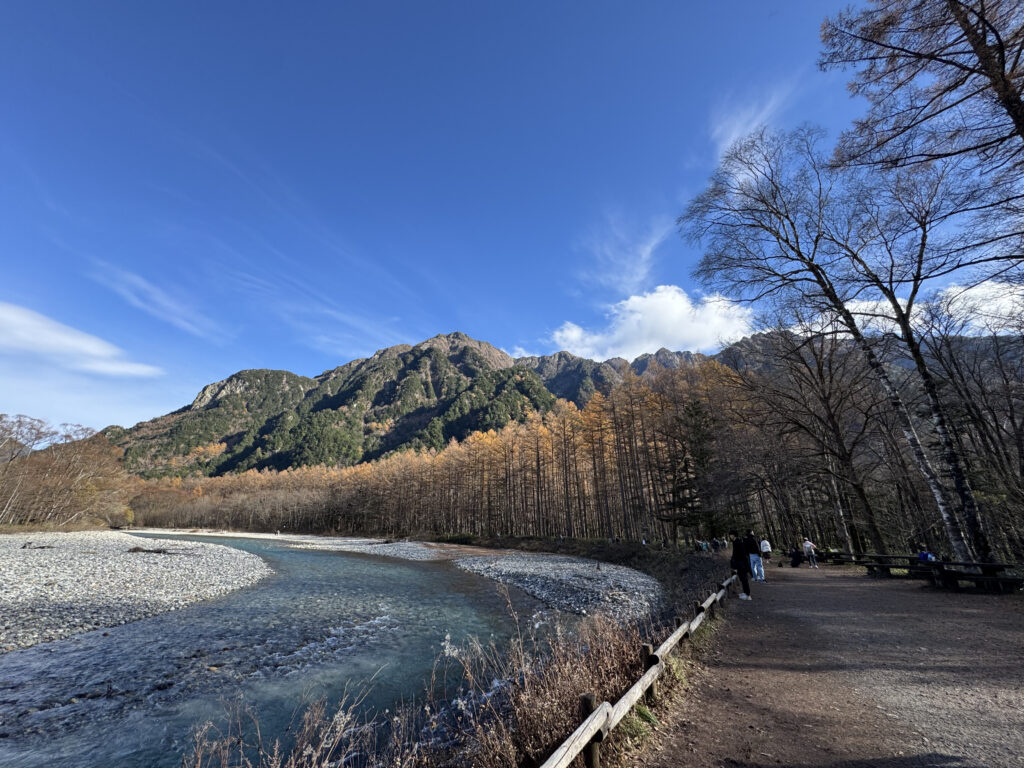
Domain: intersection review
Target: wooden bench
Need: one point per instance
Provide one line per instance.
(899, 571)
(988, 577)
(883, 565)
(984, 576)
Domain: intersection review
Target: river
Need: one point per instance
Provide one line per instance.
(128, 696)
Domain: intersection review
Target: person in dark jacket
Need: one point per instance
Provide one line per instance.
(795, 557)
(740, 562)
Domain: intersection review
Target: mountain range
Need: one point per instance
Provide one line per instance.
(402, 397)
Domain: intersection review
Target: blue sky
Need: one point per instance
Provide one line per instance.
(188, 189)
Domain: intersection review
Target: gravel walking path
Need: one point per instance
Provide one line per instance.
(830, 669)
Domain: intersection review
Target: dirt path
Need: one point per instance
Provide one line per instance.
(830, 669)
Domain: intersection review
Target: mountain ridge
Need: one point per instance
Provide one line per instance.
(405, 396)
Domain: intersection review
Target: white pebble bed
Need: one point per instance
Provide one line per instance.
(403, 550)
(89, 580)
(573, 584)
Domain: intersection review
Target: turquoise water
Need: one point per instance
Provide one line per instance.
(128, 696)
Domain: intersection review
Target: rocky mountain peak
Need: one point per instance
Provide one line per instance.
(235, 384)
(248, 385)
(455, 344)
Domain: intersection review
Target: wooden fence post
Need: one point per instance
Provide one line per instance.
(650, 660)
(599, 719)
(592, 752)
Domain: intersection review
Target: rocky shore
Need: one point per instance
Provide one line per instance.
(60, 584)
(55, 585)
(572, 584)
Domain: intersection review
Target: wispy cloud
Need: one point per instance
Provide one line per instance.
(155, 301)
(272, 191)
(665, 317)
(318, 321)
(736, 116)
(622, 254)
(24, 332)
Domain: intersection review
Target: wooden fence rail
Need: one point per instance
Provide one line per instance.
(601, 719)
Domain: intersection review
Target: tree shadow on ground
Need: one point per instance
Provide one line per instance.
(931, 760)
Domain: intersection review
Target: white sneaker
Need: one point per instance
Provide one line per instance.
(745, 596)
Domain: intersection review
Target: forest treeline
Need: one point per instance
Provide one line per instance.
(798, 437)
(800, 440)
(58, 475)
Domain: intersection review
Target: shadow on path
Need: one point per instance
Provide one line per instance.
(828, 668)
(917, 761)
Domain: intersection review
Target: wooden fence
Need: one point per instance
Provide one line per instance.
(601, 718)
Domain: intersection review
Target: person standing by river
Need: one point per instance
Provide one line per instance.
(740, 562)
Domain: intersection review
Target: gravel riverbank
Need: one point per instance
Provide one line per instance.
(60, 584)
(55, 585)
(573, 584)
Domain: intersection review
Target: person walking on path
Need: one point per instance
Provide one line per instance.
(754, 553)
(809, 548)
(766, 550)
(740, 562)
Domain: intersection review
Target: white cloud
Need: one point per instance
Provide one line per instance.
(623, 255)
(735, 117)
(40, 389)
(142, 294)
(29, 334)
(987, 307)
(665, 317)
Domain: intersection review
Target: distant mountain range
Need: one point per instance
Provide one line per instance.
(402, 397)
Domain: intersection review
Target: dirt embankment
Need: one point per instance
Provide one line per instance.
(830, 669)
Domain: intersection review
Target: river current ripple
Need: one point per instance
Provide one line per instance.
(127, 697)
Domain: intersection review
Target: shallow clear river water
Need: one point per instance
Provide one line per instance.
(127, 697)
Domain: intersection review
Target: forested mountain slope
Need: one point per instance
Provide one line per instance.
(402, 397)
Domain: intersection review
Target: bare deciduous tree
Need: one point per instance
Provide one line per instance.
(780, 223)
(943, 78)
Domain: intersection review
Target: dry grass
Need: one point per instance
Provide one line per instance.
(521, 723)
(487, 707)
